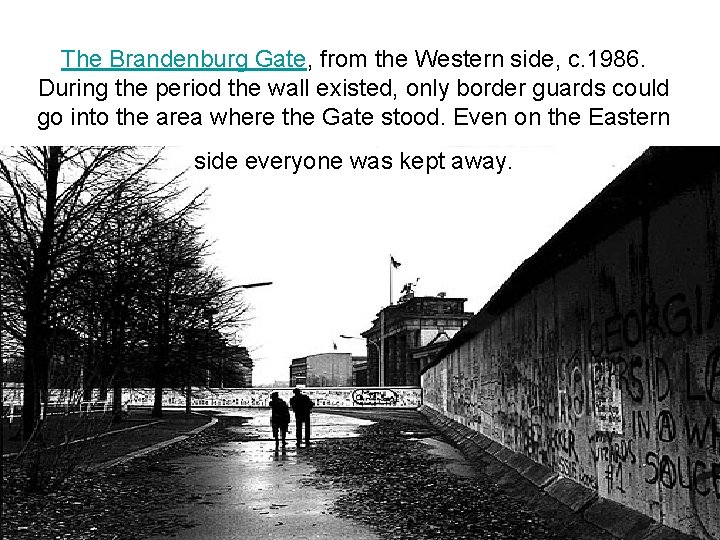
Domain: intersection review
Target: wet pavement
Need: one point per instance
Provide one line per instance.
(323, 426)
(251, 489)
(368, 474)
(453, 461)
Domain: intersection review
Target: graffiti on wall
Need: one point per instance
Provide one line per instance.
(260, 397)
(385, 397)
(631, 413)
(607, 370)
(406, 397)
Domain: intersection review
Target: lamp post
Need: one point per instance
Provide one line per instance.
(214, 311)
(208, 314)
(247, 286)
(381, 367)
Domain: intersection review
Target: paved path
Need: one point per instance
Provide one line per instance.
(252, 490)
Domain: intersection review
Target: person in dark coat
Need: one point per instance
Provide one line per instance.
(279, 417)
(301, 405)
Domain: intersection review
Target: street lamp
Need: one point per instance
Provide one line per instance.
(214, 311)
(381, 367)
(247, 286)
(208, 314)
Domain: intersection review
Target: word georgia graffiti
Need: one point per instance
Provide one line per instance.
(366, 396)
(680, 315)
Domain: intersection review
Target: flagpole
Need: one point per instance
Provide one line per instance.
(391, 269)
(381, 360)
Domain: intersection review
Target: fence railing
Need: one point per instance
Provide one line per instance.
(10, 411)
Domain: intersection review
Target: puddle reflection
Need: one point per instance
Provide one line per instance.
(323, 426)
(280, 453)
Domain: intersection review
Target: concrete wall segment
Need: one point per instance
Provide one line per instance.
(607, 369)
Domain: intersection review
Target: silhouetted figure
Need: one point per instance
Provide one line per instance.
(279, 417)
(301, 406)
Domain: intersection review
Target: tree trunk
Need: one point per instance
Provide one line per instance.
(157, 403)
(103, 371)
(34, 365)
(118, 337)
(91, 356)
(87, 382)
(189, 357)
(163, 349)
(35, 346)
(159, 379)
(117, 401)
(188, 398)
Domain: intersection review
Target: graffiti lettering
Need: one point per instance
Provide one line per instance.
(588, 479)
(684, 473)
(628, 375)
(614, 477)
(676, 317)
(565, 440)
(615, 452)
(610, 369)
(567, 467)
(662, 375)
(679, 321)
(666, 426)
(702, 432)
(259, 397)
(641, 424)
(698, 435)
(572, 398)
(366, 397)
(632, 328)
(712, 375)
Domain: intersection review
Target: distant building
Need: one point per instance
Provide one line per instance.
(298, 371)
(412, 332)
(326, 369)
(359, 371)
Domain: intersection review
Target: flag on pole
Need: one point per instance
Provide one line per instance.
(393, 265)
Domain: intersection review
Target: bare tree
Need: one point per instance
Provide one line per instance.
(180, 303)
(55, 207)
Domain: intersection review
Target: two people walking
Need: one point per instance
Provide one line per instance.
(280, 416)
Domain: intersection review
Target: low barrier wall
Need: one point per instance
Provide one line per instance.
(403, 398)
(398, 397)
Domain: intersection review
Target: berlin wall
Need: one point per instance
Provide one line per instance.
(600, 356)
(404, 398)
(344, 397)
